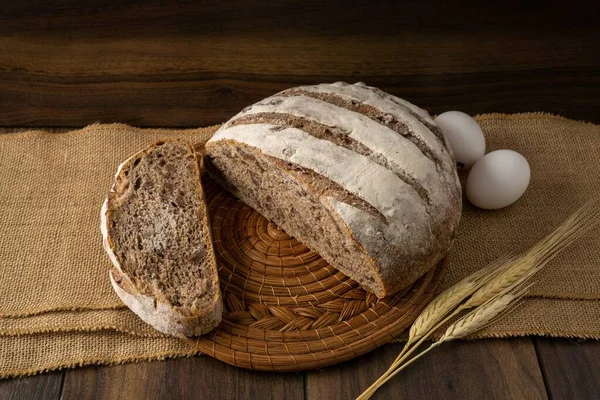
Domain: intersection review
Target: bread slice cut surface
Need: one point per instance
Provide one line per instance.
(156, 231)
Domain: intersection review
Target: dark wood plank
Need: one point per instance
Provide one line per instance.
(571, 368)
(40, 387)
(188, 378)
(486, 369)
(68, 63)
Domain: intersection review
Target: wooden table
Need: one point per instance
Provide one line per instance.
(67, 64)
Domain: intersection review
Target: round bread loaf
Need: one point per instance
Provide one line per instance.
(364, 178)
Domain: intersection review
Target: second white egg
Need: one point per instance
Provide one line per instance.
(498, 179)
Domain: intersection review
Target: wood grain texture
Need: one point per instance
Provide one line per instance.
(187, 378)
(41, 387)
(68, 63)
(571, 368)
(486, 369)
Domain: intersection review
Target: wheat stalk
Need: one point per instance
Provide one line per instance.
(482, 316)
(447, 300)
(472, 322)
(444, 303)
(520, 269)
(488, 293)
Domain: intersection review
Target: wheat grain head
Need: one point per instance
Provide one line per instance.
(450, 299)
(481, 316)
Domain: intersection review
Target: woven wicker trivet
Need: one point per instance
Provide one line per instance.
(286, 309)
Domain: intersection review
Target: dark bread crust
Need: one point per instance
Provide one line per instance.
(135, 291)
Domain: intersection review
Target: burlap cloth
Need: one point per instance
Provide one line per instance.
(57, 308)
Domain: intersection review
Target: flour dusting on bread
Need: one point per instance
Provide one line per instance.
(317, 160)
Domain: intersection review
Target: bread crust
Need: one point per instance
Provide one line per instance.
(162, 316)
(374, 146)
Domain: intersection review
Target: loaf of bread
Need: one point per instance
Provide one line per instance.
(364, 178)
(155, 230)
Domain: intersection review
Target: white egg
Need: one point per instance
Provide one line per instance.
(464, 136)
(498, 179)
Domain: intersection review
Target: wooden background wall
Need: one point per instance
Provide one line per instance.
(175, 63)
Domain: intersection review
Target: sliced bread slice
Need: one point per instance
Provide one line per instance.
(156, 232)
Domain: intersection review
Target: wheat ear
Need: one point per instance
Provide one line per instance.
(444, 303)
(477, 319)
(442, 313)
(492, 291)
(483, 315)
(452, 297)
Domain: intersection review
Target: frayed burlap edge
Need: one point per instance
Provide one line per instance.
(83, 363)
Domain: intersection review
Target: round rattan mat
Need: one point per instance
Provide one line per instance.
(285, 308)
